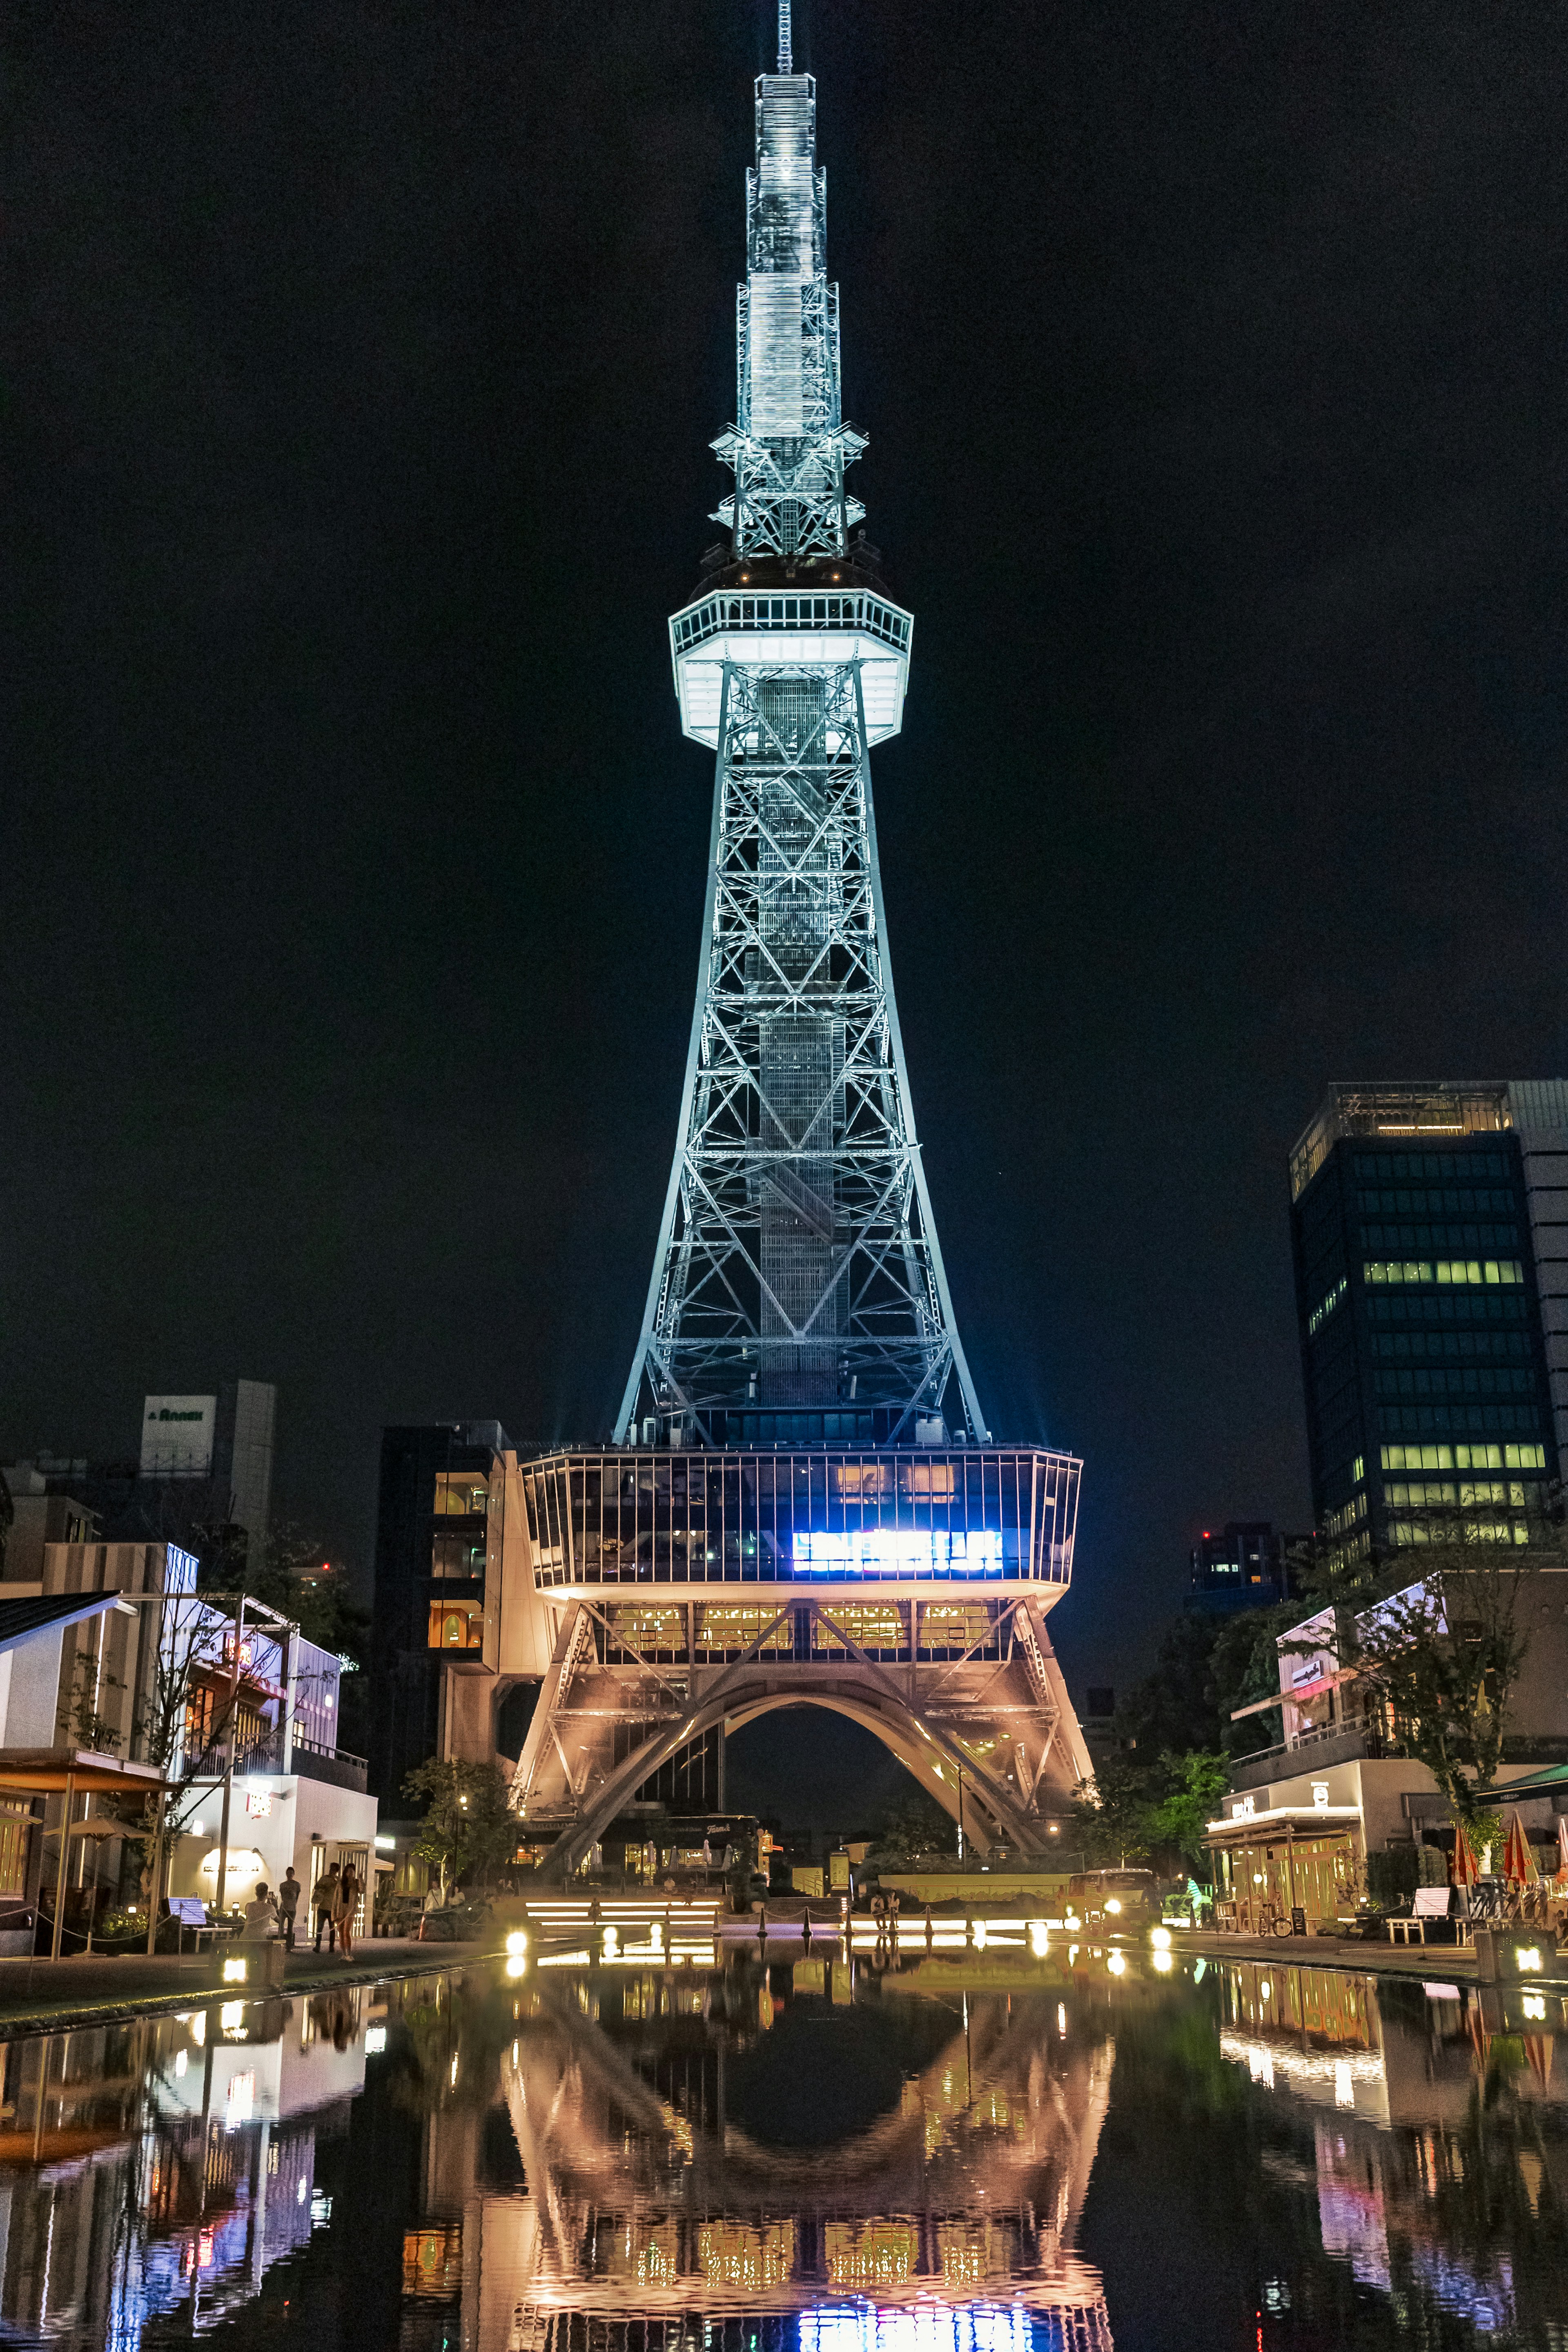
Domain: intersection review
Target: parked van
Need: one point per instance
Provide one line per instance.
(1113, 1898)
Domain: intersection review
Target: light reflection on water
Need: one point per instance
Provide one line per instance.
(974, 2153)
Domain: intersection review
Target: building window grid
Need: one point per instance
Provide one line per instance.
(690, 1521)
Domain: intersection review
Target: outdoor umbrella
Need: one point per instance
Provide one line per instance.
(1467, 1869)
(1517, 1855)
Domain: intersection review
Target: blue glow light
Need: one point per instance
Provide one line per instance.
(897, 1551)
(928, 2327)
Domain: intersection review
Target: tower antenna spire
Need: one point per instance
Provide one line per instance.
(786, 45)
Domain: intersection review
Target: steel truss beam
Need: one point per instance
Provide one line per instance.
(798, 1261)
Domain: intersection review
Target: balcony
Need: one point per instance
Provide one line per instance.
(335, 1766)
(1336, 1743)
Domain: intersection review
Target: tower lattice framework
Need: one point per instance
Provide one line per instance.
(797, 1264)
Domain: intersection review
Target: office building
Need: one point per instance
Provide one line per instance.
(449, 1521)
(1242, 1566)
(1429, 1228)
(224, 1441)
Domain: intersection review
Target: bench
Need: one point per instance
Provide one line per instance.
(1430, 1902)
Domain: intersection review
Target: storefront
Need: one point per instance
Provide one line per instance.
(1301, 1864)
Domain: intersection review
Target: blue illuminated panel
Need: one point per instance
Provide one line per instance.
(897, 1551)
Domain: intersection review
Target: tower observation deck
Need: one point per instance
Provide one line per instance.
(799, 1420)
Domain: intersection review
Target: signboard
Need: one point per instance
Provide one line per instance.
(258, 1803)
(898, 1551)
(177, 1437)
(180, 1568)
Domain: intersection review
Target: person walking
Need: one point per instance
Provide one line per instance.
(348, 1891)
(288, 1895)
(325, 1904)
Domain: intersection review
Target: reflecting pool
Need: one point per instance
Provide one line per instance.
(1002, 2151)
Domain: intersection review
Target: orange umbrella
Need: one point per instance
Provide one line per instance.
(1518, 1857)
(1561, 1881)
(1467, 1869)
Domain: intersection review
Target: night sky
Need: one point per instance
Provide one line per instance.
(358, 367)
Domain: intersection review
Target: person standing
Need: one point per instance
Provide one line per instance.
(260, 1917)
(349, 1888)
(288, 1895)
(326, 1903)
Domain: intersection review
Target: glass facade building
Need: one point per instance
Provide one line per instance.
(1431, 1247)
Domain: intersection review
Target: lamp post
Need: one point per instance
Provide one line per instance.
(229, 1762)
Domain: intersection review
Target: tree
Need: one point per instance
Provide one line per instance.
(1111, 1815)
(911, 1825)
(468, 1827)
(1198, 1781)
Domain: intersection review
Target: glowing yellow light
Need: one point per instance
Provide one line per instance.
(1113, 1905)
(1264, 1989)
(1163, 1962)
(231, 2017)
(1160, 1937)
(979, 1935)
(518, 1941)
(1529, 1958)
(1116, 1963)
(1534, 2005)
(516, 1965)
(1038, 1941)
(233, 1973)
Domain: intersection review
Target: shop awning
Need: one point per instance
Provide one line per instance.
(1280, 1821)
(42, 1771)
(1303, 1691)
(1543, 1783)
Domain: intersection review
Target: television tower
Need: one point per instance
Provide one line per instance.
(800, 1427)
(797, 1264)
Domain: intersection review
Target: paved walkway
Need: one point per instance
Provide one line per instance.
(39, 1996)
(1436, 1963)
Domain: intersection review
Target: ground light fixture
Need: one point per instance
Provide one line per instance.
(1160, 1937)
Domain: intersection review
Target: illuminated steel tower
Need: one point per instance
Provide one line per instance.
(798, 1266)
(798, 1409)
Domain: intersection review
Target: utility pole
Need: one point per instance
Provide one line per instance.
(229, 1765)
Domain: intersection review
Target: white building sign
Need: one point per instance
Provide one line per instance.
(177, 1434)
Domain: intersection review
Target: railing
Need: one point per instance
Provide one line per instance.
(852, 609)
(1349, 1742)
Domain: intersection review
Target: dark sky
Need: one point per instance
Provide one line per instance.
(358, 366)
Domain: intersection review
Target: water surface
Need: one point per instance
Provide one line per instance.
(984, 2153)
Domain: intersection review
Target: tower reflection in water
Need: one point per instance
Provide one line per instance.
(762, 2159)
(652, 2212)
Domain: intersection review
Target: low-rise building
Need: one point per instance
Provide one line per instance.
(1301, 1818)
